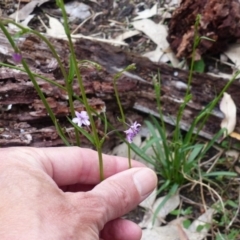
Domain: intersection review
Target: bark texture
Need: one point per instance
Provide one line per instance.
(220, 21)
(24, 120)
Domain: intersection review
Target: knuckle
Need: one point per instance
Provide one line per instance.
(121, 195)
(94, 207)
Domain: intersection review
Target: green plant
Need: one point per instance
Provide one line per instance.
(78, 120)
(182, 212)
(177, 157)
(73, 72)
(226, 218)
(232, 235)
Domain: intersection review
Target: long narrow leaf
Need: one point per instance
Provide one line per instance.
(196, 149)
(163, 135)
(172, 191)
(211, 143)
(142, 154)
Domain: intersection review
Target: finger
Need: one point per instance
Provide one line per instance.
(121, 229)
(71, 165)
(119, 194)
(79, 165)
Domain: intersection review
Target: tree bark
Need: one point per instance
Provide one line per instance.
(24, 120)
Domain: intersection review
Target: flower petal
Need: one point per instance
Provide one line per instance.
(86, 122)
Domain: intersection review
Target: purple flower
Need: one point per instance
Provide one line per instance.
(132, 131)
(17, 58)
(81, 118)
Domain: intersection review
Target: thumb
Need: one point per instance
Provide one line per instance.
(122, 192)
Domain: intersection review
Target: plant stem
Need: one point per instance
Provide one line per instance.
(129, 157)
(35, 84)
(123, 120)
(118, 99)
(43, 38)
(81, 86)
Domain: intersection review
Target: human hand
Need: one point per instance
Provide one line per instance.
(55, 193)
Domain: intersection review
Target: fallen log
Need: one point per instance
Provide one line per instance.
(24, 120)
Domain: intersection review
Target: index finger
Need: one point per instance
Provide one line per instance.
(71, 165)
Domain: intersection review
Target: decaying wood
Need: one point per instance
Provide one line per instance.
(220, 21)
(24, 120)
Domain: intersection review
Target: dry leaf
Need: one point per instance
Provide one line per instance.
(169, 206)
(182, 235)
(176, 231)
(205, 218)
(164, 13)
(232, 154)
(237, 169)
(169, 232)
(147, 13)
(173, 2)
(157, 55)
(24, 23)
(233, 53)
(148, 202)
(158, 34)
(149, 216)
(147, 221)
(235, 135)
(27, 9)
(122, 149)
(56, 28)
(127, 34)
(228, 107)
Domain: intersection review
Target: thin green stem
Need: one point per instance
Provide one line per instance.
(69, 88)
(188, 97)
(213, 104)
(123, 120)
(118, 99)
(35, 75)
(129, 157)
(43, 39)
(157, 88)
(49, 110)
(195, 44)
(122, 115)
(35, 84)
(116, 77)
(81, 86)
(101, 169)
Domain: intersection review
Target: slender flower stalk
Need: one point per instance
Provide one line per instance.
(43, 38)
(36, 86)
(97, 142)
(130, 134)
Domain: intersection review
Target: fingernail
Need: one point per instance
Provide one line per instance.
(145, 181)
